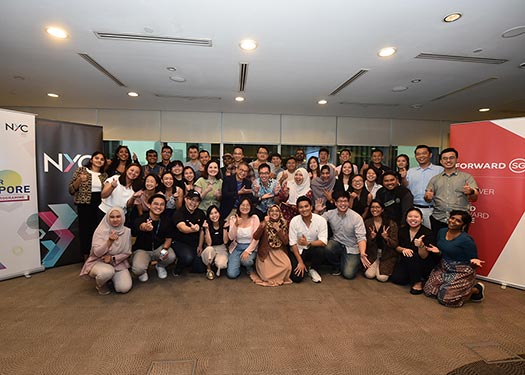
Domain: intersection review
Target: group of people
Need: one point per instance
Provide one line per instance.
(280, 223)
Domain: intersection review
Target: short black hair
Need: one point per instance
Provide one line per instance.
(262, 166)
(377, 150)
(152, 151)
(157, 195)
(303, 198)
(193, 147)
(324, 149)
(449, 149)
(418, 147)
(167, 147)
(340, 194)
(275, 154)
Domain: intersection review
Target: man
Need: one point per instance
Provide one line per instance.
(265, 189)
(152, 167)
(276, 161)
(377, 165)
(308, 237)
(450, 190)
(417, 180)
(300, 158)
(188, 223)
(348, 245)
(154, 234)
(193, 162)
(238, 157)
(324, 157)
(165, 156)
(397, 199)
(262, 158)
(227, 160)
(204, 158)
(344, 156)
(288, 174)
(233, 188)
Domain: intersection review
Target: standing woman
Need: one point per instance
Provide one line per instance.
(118, 191)
(85, 186)
(273, 264)
(453, 281)
(292, 190)
(109, 255)
(360, 198)
(176, 170)
(173, 193)
(345, 177)
(402, 166)
(371, 182)
(188, 177)
(313, 167)
(381, 243)
(120, 161)
(215, 238)
(415, 262)
(150, 187)
(244, 246)
(209, 185)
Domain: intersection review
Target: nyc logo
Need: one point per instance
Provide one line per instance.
(78, 159)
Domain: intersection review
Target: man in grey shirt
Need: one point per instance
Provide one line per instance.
(451, 190)
(347, 247)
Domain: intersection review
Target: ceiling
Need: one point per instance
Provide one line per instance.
(306, 50)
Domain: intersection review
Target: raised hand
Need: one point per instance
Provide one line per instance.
(419, 241)
(113, 235)
(467, 190)
(373, 232)
(319, 205)
(83, 177)
(429, 195)
(385, 234)
(477, 262)
(432, 249)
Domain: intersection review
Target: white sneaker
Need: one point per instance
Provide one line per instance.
(161, 272)
(316, 278)
(144, 277)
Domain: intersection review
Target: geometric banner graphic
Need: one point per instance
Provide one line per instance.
(61, 148)
(19, 247)
(493, 152)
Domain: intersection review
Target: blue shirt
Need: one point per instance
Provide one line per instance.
(460, 249)
(418, 179)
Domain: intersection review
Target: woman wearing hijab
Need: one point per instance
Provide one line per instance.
(109, 254)
(292, 190)
(273, 266)
(323, 186)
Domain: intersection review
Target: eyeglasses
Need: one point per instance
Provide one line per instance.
(445, 158)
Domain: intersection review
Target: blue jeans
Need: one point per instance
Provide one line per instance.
(234, 261)
(350, 265)
(337, 257)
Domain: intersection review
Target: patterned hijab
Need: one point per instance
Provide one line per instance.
(273, 238)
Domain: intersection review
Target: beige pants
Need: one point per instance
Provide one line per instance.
(217, 254)
(103, 272)
(373, 272)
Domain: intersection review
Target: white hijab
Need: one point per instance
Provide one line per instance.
(296, 190)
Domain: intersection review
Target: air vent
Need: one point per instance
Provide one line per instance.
(166, 96)
(366, 105)
(100, 68)
(243, 76)
(480, 60)
(151, 38)
(466, 88)
(349, 81)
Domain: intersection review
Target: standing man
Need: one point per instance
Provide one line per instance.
(345, 155)
(238, 157)
(300, 158)
(233, 188)
(193, 155)
(347, 248)
(288, 174)
(188, 223)
(396, 198)
(324, 157)
(262, 158)
(154, 236)
(308, 237)
(204, 158)
(152, 167)
(417, 180)
(276, 160)
(165, 156)
(450, 190)
(377, 165)
(265, 189)
(227, 160)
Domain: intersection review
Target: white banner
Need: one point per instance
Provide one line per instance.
(19, 247)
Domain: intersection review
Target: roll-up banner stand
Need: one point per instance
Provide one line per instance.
(493, 152)
(19, 248)
(61, 148)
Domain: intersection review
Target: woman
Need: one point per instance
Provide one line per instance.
(453, 280)
(120, 161)
(210, 185)
(109, 255)
(188, 177)
(415, 262)
(177, 167)
(244, 246)
(402, 166)
(371, 182)
(313, 167)
(150, 187)
(323, 186)
(216, 238)
(119, 190)
(381, 243)
(292, 190)
(345, 177)
(360, 198)
(85, 186)
(174, 194)
(273, 264)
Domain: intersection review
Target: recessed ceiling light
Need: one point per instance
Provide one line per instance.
(57, 32)
(452, 17)
(171, 68)
(417, 80)
(515, 31)
(416, 106)
(178, 79)
(322, 101)
(387, 51)
(239, 99)
(21, 78)
(478, 50)
(484, 109)
(133, 94)
(148, 30)
(52, 95)
(522, 65)
(248, 44)
(399, 88)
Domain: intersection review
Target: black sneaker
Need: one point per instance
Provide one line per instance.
(480, 296)
(336, 271)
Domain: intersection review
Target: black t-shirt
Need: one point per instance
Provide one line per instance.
(183, 215)
(148, 241)
(217, 237)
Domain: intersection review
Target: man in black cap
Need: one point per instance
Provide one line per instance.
(188, 224)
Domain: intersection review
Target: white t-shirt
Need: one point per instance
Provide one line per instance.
(119, 197)
(318, 230)
(96, 185)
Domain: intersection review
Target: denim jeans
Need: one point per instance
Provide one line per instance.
(234, 261)
(337, 257)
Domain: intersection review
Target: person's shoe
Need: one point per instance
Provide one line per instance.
(161, 271)
(336, 271)
(416, 291)
(103, 290)
(480, 296)
(316, 278)
(218, 273)
(210, 275)
(176, 272)
(249, 270)
(144, 277)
